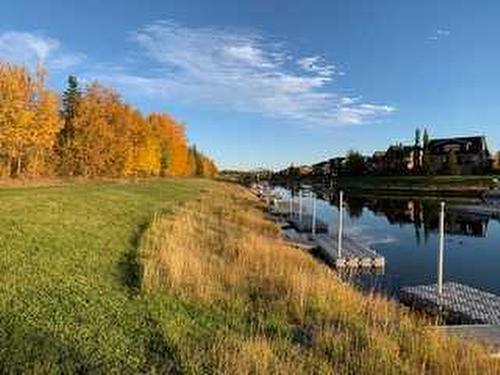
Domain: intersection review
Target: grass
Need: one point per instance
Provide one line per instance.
(70, 279)
(230, 297)
(160, 277)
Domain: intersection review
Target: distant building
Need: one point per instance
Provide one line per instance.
(471, 153)
(321, 169)
(399, 160)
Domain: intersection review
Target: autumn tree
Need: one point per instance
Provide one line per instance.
(93, 134)
(173, 145)
(29, 121)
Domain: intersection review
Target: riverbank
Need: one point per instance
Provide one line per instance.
(470, 186)
(230, 296)
(188, 276)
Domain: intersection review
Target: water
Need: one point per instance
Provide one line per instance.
(405, 231)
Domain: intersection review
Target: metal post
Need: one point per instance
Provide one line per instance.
(441, 250)
(313, 224)
(341, 223)
(300, 207)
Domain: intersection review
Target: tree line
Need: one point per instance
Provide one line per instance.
(86, 131)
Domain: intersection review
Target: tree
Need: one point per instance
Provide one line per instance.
(28, 121)
(426, 158)
(417, 138)
(355, 163)
(426, 139)
(452, 167)
(93, 133)
(71, 99)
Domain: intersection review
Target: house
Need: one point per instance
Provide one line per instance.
(338, 166)
(321, 169)
(472, 154)
(399, 159)
(377, 162)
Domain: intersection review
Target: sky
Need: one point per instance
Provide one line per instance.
(267, 83)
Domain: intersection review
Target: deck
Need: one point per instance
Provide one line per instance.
(459, 304)
(305, 225)
(354, 253)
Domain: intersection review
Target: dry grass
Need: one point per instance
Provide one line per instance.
(248, 303)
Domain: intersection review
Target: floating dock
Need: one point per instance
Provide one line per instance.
(354, 254)
(458, 303)
(297, 231)
(305, 225)
(299, 240)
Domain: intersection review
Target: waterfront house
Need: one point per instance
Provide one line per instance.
(399, 160)
(472, 154)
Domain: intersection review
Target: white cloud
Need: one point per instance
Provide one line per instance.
(439, 34)
(241, 71)
(28, 48)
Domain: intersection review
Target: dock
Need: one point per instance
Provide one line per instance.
(354, 254)
(297, 230)
(458, 303)
(304, 224)
(299, 240)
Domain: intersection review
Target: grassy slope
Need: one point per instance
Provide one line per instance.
(230, 297)
(219, 292)
(69, 275)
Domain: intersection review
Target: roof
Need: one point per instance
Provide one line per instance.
(466, 144)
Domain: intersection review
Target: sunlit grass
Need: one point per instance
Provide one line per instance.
(231, 297)
(69, 275)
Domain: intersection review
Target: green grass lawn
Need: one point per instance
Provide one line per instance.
(69, 275)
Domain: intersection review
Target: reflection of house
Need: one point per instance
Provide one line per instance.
(471, 153)
(467, 224)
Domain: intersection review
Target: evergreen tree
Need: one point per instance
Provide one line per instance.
(426, 162)
(417, 137)
(426, 139)
(71, 99)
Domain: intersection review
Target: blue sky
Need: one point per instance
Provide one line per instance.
(267, 83)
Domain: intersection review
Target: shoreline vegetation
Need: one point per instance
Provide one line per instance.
(189, 276)
(231, 297)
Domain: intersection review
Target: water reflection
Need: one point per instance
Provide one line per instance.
(405, 231)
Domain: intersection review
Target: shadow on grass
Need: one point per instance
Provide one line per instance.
(27, 349)
(130, 265)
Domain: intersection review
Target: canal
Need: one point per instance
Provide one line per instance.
(405, 231)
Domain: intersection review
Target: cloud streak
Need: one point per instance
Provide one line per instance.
(242, 71)
(439, 34)
(29, 48)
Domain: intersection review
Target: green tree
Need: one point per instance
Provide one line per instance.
(426, 139)
(417, 137)
(355, 163)
(71, 99)
(426, 158)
